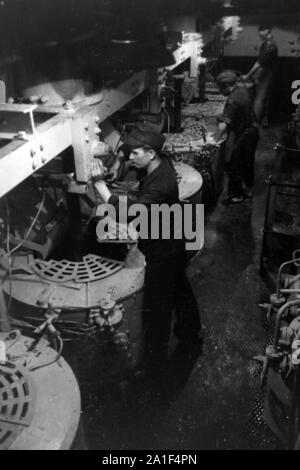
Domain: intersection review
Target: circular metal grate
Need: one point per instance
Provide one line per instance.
(195, 131)
(16, 402)
(92, 268)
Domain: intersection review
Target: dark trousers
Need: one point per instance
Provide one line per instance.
(263, 87)
(167, 290)
(241, 165)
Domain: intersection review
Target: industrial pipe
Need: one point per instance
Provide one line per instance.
(280, 272)
(279, 314)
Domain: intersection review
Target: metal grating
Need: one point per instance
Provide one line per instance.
(92, 268)
(215, 97)
(195, 131)
(178, 142)
(259, 434)
(16, 403)
(208, 109)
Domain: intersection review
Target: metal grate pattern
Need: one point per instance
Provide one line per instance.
(195, 131)
(92, 268)
(178, 141)
(259, 434)
(215, 97)
(208, 109)
(16, 402)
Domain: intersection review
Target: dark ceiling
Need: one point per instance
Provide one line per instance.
(27, 25)
(30, 21)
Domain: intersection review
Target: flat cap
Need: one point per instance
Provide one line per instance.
(227, 77)
(139, 138)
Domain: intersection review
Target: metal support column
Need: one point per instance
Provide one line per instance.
(4, 321)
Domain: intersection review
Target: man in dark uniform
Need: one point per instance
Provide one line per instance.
(166, 287)
(262, 72)
(238, 120)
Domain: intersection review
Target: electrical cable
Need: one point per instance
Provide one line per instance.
(9, 258)
(287, 149)
(119, 140)
(30, 228)
(58, 356)
(168, 120)
(9, 252)
(21, 323)
(17, 338)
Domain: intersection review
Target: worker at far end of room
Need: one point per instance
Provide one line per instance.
(239, 121)
(262, 73)
(166, 287)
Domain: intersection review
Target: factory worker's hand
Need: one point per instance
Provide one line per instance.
(220, 133)
(98, 172)
(97, 169)
(112, 175)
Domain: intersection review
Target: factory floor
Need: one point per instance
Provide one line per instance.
(206, 397)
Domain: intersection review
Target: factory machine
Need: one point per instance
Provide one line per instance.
(71, 86)
(47, 199)
(280, 363)
(68, 95)
(40, 403)
(58, 283)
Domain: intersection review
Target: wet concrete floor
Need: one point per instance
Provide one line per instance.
(204, 399)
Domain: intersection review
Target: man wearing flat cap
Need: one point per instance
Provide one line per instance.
(165, 288)
(262, 72)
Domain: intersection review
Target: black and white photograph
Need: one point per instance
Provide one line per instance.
(149, 228)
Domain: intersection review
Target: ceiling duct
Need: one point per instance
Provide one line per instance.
(132, 46)
(125, 56)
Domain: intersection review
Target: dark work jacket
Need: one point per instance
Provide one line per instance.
(238, 112)
(268, 54)
(159, 187)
